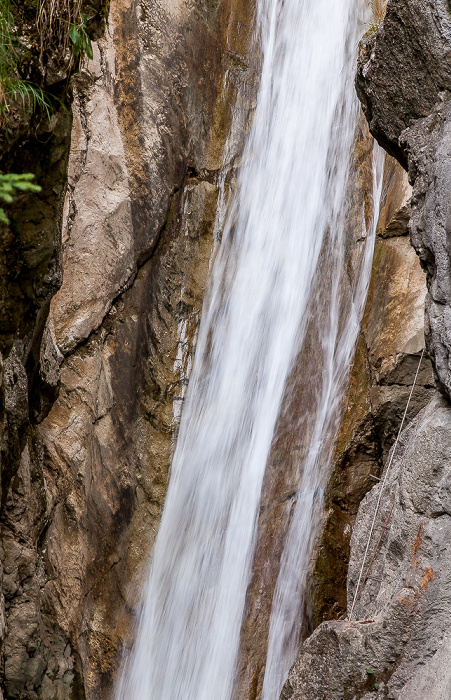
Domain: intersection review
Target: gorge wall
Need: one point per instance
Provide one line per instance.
(396, 643)
(92, 388)
(385, 364)
(101, 293)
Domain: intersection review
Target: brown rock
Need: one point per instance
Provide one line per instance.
(151, 115)
(400, 627)
(395, 201)
(385, 364)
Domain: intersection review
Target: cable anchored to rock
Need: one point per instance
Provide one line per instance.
(382, 486)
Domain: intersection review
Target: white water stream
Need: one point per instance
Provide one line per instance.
(291, 199)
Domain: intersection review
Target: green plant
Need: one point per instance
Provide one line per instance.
(79, 37)
(54, 18)
(11, 184)
(370, 673)
(12, 87)
(61, 22)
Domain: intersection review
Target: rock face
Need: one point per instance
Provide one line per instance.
(396, 645)
(403, 78)
(31, 273)
(92, 385)
(427, 143)
(403, 68)
(385, 364)
(402, 632)
(389, 347)
(147, 184)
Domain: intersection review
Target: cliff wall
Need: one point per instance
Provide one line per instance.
(88, 431)
(386, 360)
(101, 294)
(395, 643)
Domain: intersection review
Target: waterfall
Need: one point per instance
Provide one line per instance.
(286, 224)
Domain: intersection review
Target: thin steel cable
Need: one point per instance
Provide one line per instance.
(357, 589)
(375, 552)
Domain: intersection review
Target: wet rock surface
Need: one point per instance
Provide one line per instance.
(386, 360)
(397, 645)
(84, 483)
(401, 632)
(290, 448)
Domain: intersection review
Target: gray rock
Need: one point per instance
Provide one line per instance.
(403, 75)
(404, 67)
(400, 625)
(428, 144)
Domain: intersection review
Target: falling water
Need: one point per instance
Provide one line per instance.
(289, 204)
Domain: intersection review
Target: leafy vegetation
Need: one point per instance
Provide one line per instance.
(60, 24)
(12, 87)
(10, 185)
(372, 674)
(79, 37)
